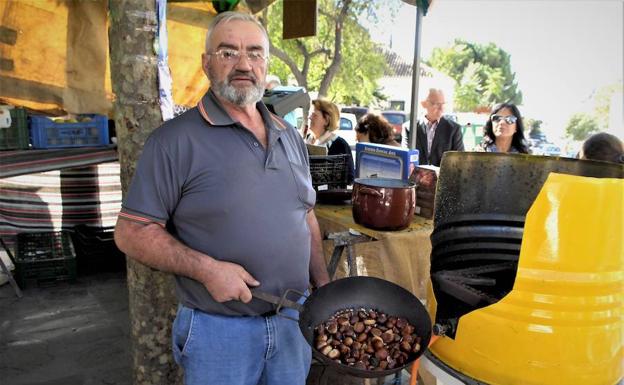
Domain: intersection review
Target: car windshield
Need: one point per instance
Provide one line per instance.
(345, 124)
(394, 118)
(357, 111)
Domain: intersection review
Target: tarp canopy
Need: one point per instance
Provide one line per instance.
(54, 55)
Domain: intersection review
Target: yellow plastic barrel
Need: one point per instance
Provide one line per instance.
(563, 321)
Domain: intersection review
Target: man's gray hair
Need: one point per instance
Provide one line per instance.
(225, 17)
(434, 91)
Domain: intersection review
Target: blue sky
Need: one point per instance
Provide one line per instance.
(561, 50)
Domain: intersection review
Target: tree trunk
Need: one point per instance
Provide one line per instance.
(333, 68)
(134, 75)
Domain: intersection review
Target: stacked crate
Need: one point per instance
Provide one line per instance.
(96, 250)
(84, 131)
(44, 258)
(15, 137)
(329, 171)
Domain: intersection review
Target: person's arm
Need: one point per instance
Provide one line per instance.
(151, 245)
(318, 269)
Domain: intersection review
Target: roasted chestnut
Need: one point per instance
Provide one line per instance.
(367, 339)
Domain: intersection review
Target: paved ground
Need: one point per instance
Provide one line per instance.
(66, 334)
(78, 334)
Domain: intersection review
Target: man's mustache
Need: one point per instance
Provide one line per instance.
(237, 73)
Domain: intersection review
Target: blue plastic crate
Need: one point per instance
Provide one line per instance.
(46, 133)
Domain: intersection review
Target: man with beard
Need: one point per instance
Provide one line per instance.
(222, 198)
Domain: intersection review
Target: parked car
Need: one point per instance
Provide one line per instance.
(346, 129)
(396, 119)
(356, 110)
(538, 137)
(552, 150)
(547, 149)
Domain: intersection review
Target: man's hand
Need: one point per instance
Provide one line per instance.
(226, 281)
(151, 245)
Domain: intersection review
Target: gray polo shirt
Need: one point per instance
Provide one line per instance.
(219, 191)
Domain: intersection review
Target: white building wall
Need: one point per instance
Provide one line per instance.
(400, 88)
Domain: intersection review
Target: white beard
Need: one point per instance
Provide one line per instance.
(238, 96)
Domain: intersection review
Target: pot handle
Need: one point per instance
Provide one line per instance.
(281, 302)
(370, 191)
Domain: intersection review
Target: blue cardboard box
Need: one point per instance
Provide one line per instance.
(383, 161)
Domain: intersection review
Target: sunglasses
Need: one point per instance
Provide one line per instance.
(508, 119)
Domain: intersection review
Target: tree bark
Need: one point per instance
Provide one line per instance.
(333, 68)
(134, 74)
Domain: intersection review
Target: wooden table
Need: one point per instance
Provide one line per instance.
(401, 257)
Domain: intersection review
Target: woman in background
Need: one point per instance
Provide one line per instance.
(324, 121)
(374, 128)
(504, 131)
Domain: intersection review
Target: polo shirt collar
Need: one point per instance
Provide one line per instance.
(213, 112)
(211, 109)
(274, 124)
(275, 128)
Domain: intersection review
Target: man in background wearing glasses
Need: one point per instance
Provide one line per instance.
(436, 134)
(222, 198)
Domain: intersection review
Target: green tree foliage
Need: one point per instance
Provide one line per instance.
(341, 62)
(602, 99)
(482, 74)
(533, 127)
(581, 126)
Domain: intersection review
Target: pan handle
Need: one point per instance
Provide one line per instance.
(281, 302)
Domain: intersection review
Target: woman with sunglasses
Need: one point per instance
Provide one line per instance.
(504, 131)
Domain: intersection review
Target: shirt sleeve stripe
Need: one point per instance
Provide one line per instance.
(137, 218)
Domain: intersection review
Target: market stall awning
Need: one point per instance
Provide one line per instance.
(54, 54)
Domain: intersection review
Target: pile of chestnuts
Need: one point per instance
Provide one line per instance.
(367, 339)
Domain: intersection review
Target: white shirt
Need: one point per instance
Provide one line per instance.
(431, 129)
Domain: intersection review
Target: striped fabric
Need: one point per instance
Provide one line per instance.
(31, 161)
(60, 199)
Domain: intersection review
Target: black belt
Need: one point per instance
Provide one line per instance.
(268, 314)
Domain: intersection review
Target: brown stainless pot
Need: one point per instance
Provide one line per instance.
(383, 204)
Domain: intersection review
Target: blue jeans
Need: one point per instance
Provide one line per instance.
(223, 350)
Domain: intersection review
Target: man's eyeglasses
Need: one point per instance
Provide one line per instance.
(508, 119)
(232, 56)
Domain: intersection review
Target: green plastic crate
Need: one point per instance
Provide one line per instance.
(16, 136)
(44, 258)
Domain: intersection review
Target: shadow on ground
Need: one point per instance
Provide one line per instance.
(66, 334)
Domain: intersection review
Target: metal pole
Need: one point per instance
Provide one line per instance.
(415, 80)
